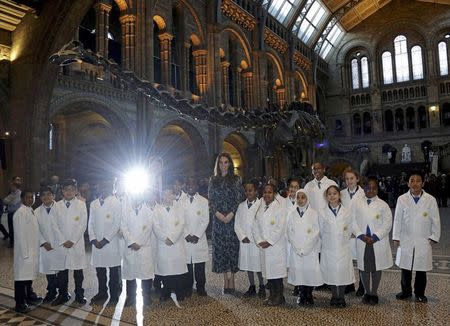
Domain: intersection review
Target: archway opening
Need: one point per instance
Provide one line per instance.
(236, 145)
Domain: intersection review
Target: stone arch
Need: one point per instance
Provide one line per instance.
(160, 22)
(301, 77)
(350, 45)
(196, 18)
(237, 145)
(242, 40)
(277, 62)
(179, 139)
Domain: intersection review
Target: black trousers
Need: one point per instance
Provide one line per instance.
(63, 282)
(22, 291)
(175, 283)
(115, 281)
(11, 228)
(52, 284)
(197, 270)
(146, 288)
(420, 282)
(2, 228)
(306, 291)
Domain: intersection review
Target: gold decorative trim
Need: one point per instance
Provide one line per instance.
(275, 41)
(5, 52)
(238, 15)
(302, 61)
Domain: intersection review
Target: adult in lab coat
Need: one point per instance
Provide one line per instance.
(26, 253)
(269, 231)
(372, 222)
(170, 247)
(316, 187)
(349, 195)
(416, 227)
(104, 224)
(293, 187)
(51, 252)
(71, 222)
(303, 234)
(249, 252)
(137, 227)
(336, 264)
(196, 215)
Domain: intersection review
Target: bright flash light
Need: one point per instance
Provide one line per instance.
(136, 180)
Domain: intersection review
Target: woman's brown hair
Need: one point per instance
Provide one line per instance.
(230, 167)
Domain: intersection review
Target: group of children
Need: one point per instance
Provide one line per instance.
(132, 237)
(311, 237)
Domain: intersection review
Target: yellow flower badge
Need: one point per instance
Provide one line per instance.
(199, 213)
(425, 214)
(77, 218)
(108, 215)
(176, 223)
(377, 216)
(309, 231)
(144, 227)
(345, 228)
(272, 222)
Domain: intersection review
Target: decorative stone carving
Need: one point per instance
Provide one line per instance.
(238, 15)
(275, 41)
(5, 52)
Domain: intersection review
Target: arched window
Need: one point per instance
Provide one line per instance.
(357, 124)
(417, 63)
(443, 59)
(399, 120)
(365, 72)
(388, 121)
(410, 118)
(367, 123)
(355, 74)
(422, 117)
(401, 59)
(388, 75)
(156, 55)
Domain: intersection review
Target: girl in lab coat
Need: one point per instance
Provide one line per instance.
(304, 237)
(336, 264)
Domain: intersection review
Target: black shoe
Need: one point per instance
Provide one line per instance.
(374, 300)
(366, 299)
(80, 299)
(188, 293)
(350, 288)
(301, 300)
(113, 301)
(22, 308)
(130, 301)
(296, 291)
(61, 299)
(341, 303)
(360, 291)
(99, 298)
(421, 298)
(403, 296)
(34, 300)
(310, 301)
(49, 298)
(202, 292)
(262, 292)
(334, 301)
(251, 292)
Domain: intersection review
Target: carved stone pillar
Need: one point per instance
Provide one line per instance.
(281, 96)
(200, 70)
(102, 11)
(225, 82)
(165, 45)
(185, 67)
(238, 88)
(248, 89)
(128, 24)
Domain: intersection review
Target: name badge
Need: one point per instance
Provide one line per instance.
(77, 218)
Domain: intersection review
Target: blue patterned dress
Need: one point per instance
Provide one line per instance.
(224, 195)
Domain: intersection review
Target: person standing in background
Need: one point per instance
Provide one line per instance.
(13, 202)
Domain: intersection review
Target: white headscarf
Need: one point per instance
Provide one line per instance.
(302, 208)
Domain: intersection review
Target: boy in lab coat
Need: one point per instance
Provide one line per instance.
(417, 227)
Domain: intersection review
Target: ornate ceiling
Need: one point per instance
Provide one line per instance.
(11, 14)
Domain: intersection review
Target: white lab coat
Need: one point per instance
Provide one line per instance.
(26, 244)
(378, 217)
(347, 202)
(414, 224)
(171, 260)
(196, 215)
(137, 229)
(336, 258)
(270, 226)
(289, 206)
(71, 223)
(316, 195)
(104, 223)
(249, 253)
(304, 237)
(48, 233)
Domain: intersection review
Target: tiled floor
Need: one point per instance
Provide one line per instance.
(219, 309)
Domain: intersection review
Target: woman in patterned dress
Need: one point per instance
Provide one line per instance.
(225, 192)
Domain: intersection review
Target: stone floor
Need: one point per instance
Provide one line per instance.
(219, 309)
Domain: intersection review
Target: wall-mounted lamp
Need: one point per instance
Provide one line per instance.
(433, 109)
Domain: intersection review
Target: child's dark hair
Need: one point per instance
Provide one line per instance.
(334, 187)
(68, 183)
(25, 192)
(271, 185)
(46, 189)
(290, 180)
(416, 172)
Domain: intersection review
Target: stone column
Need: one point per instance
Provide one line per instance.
(102, 11)
(281, 96)
(200, 57)
(185, 67)
(238, 87)
(128, 24)
(165, 41)
(248, 89)
(225, 82)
